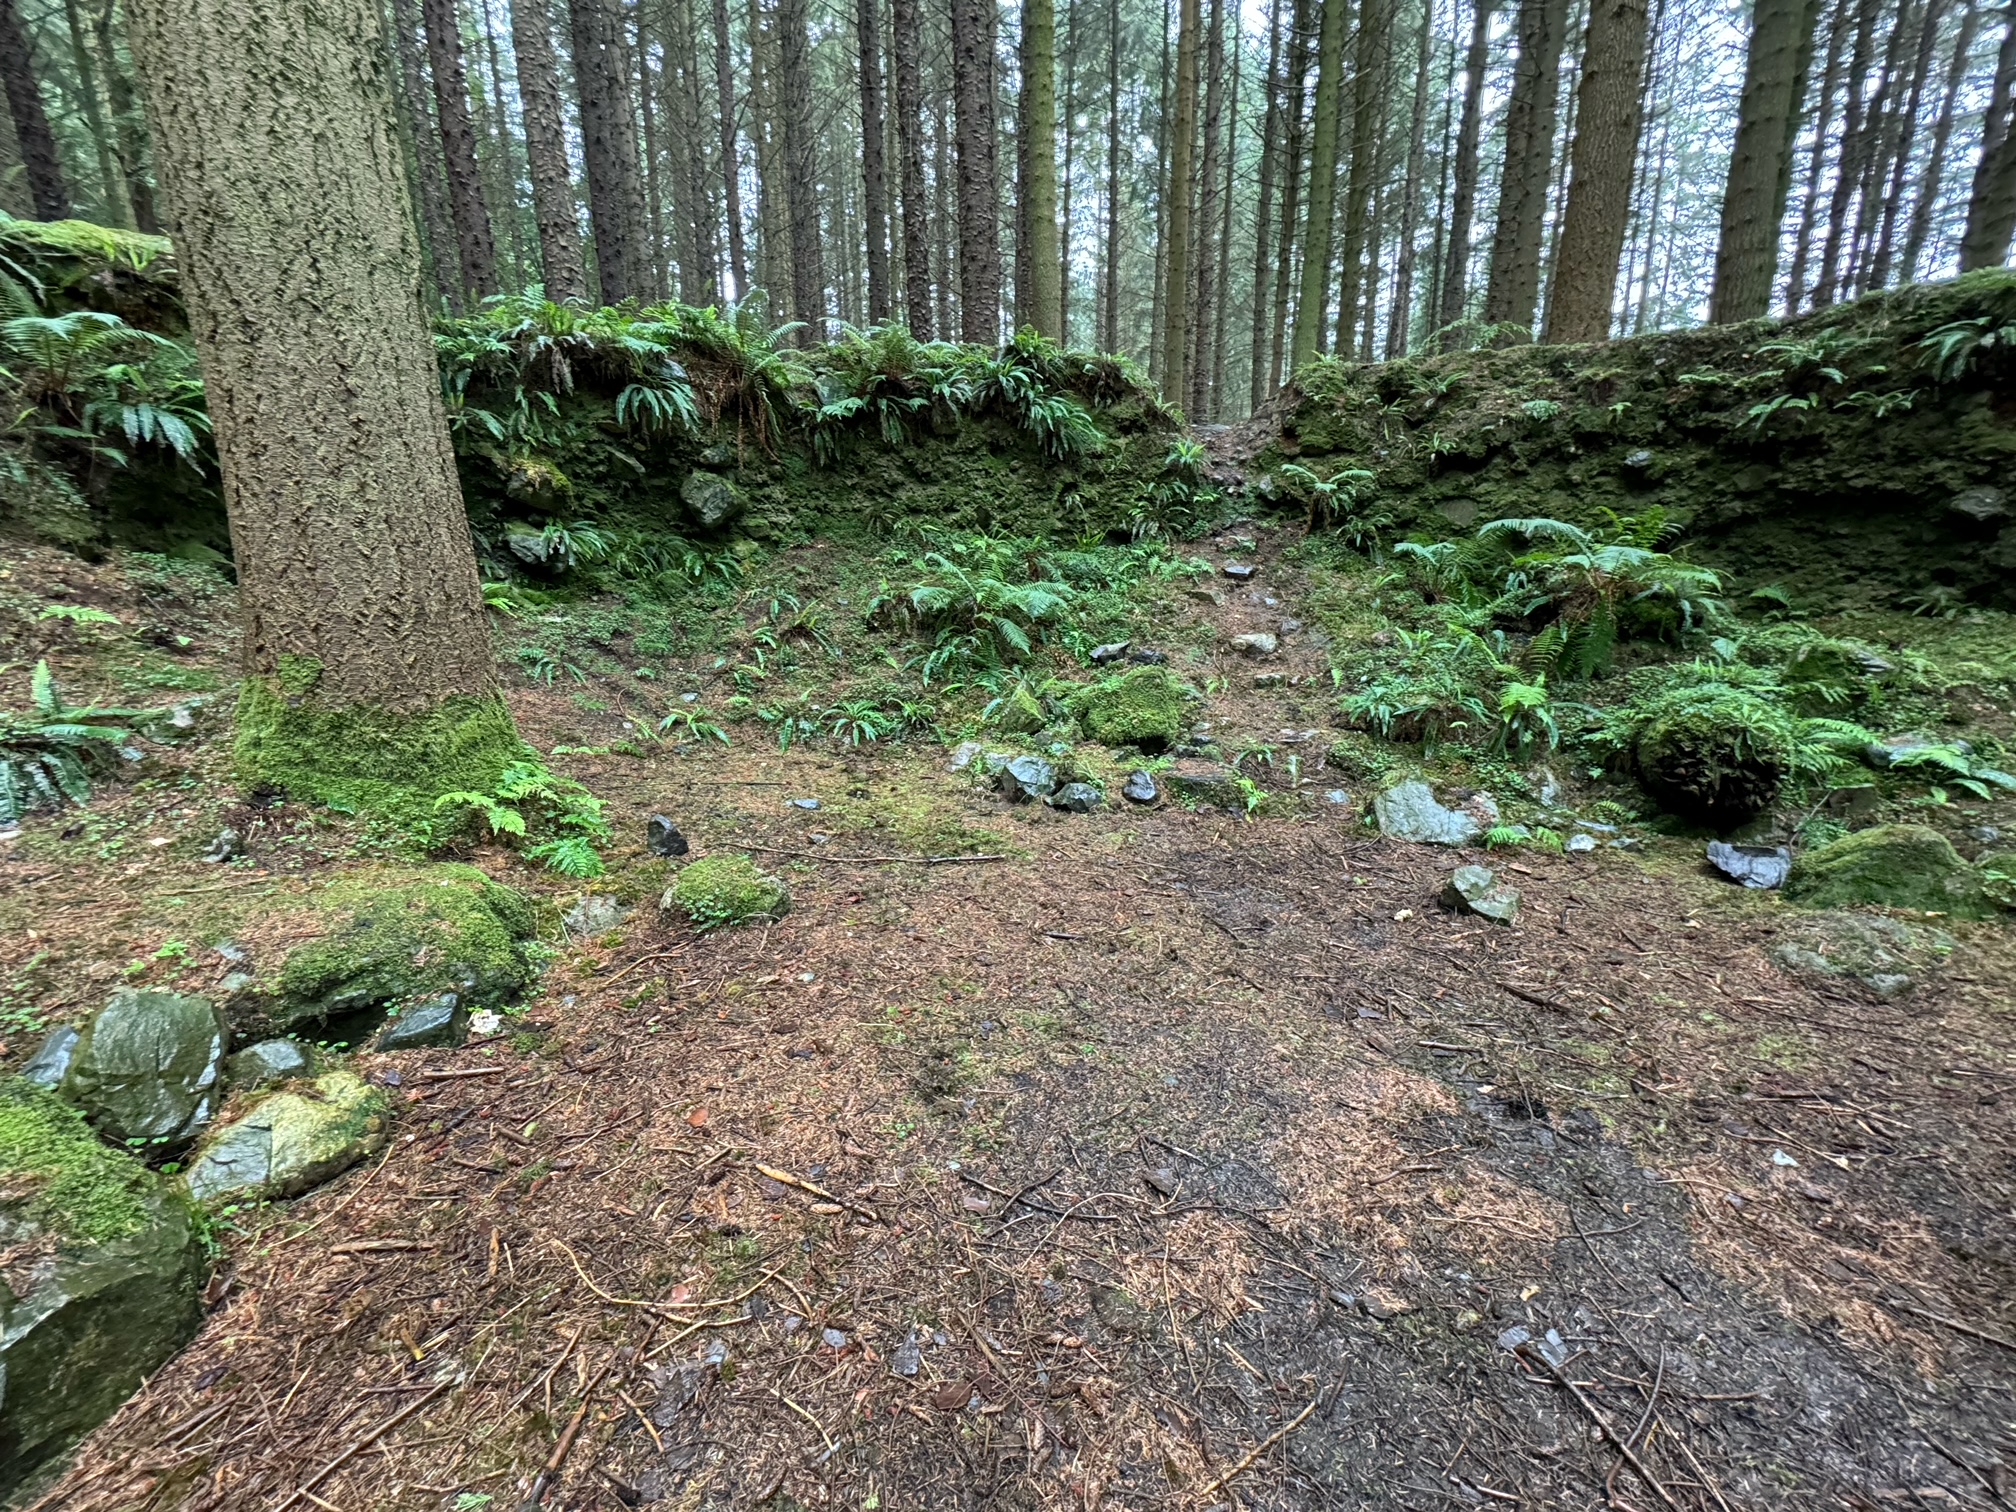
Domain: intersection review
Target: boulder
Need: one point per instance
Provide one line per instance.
(1206, 784)
(1145, 707)
(1076, 798)
(720, 891)
(1895, 865)
(1477, 890)
(963, 755)
(594, 914)
(1112, 651)
(46, 1067)
(1982, 504)
(1239, 572)
(288, 1142)
(107, 1288)
(1892, 749)
(1018, 711)
(1140, 788)
(1026, 778)
(711, 499)
(1411, 811)
(662, 837)
(1752, 865)
(1890, 957)
(269, 1061)
(437, 1021)
(149, 1067)
(1260, 643)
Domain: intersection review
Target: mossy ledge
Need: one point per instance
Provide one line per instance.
(75, 1186)
(366, 759)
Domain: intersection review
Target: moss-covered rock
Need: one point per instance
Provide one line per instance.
(1146, 707)
(99, 1273)
(726, 890)
(397, 936)
(148, 1067)
(1890, 957)
(1019, 712)
(289, 1141)
(1895, 865)
(1716, 755)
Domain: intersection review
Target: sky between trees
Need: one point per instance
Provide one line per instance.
(970, 167)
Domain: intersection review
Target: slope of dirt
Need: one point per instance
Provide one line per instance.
(1138, 1159)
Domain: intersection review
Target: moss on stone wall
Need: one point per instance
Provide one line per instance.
(64, 1178)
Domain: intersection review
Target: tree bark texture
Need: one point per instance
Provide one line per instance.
(1109, 314)
(1176, 258)
(1991, 209)
(905, 41)
(1602, 156)
(979, 186)
(801, 168)
(1512, 286)
(1455, 291)
(730, 165)
(553, 206)
(111, 187)
(1368, 104)
(129, 130)
(874, 168)
(1296, 111)
(1942, 136)
(1905, 140)
(1400, 317)
(46, 183)
(1312, 306)
(1263, 213)
(1204, 277)
(1039, 208)
(609, 150)
(1753, 203)
(273, 128)
(476, 251)
(430, 174)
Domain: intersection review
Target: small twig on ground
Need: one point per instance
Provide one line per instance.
(1526, 996)
(357, 1446)
(1956, 1325)
(663, 955)
(771, 850)
(459, 1073)
(544, 1481)
(812, 1188)
(1252, 1455)
(1529, 1353)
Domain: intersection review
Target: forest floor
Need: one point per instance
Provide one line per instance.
(1145, 1158)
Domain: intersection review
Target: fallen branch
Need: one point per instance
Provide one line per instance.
(1956, 1325)
(459, 1073)
(1533, 1356)
(1253, 1455)
(812, 1188)
(771, 850)
(357, 1447)
(380, 1246)
(663, 955)
(1535, 998)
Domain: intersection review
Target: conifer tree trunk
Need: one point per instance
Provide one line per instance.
(1311, 307)
(503, 190)
(1064, 190)
(1604, 153)
(730, 164)
(1263, 214)
(476, 252)
(111, 188)
(46, 183)
(874, 170)
(1839, 27)
(801, 169)
(906, 43)
(1222, 283)
(1159, 280)
(1991, 208)
(553, 207)
(1109, 314)
(1400, 318)
(1903, 141)
(979, 187)
(1753, 201)
(944, 215)
(1203, 295)
(1295, 108)
(766, 131)
(1182, 136)
(430, 174)
(1879, 140)
(1848, 168)
(609, 149)
(1038, 142)
(369, 673)
(1512, 286)
(1942, 136)
(1455, 292)
(130, 130)
(1367, 105)
(657, 257)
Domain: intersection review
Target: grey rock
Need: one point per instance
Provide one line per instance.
(289, 1141)
(1887, 752)
(1290, 626)
(1206, 784)
(711, 498)
(1889, 957)
(1117, 1309)
(1260, 643)
(1981, 504)
(1580, 845)
(232, 951)
(963, 755)
(1239, 572)
(809, 805)
(1638, 460)
(1112, 651)
(832, 1338)
(1411, 811)
(1477, 890)
(228, 846)
(1146, 656)
(437, 1021)
(662, 837)
(46, 1067)
(529, 546)
(1075, 797)
(1269, 679)
(269, 1061)
(907, 1358)
(594, 914)
(1027, 777)
(1753, 865)
(149, 1066)
(1140, 788)
(720, 454)
(1338, 798)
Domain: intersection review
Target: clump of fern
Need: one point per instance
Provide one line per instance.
(50, 753)
(561, 819)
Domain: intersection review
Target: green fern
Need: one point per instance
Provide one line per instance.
(49, 754)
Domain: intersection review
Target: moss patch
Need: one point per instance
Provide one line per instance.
(726, 890)
(75, 1186)
(1895, 865)
(396, 936)
(368, 760)
(1144, 707)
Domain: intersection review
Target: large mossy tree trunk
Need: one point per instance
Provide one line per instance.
(1176, 259)
(1312, 308)
(609, 150)
(1044, 272)
(369, 675)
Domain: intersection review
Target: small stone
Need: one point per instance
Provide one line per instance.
(1580, 845)
(832, 1338)
(1075, 798)
(1382, 1305)
(1118, 1310)
(963, 755)
(1290, 626)
(712, 499)
(1204, 596)
(1981, 504)
(1337, 798)
(596, 913)
(1477, 890)
(1026, 778)
(230, 950)
(269, 1061)
(907, 1358)
(438, 1021)
(1638, 460)
(46, 1066)
(1148, 657)
(1761, 866)
(809, 805)
(1140, 788)
(662, 837)
(1112, 651)
(1239, 572)
(1269, 679)
(1260, 643)
(1411, 811)
(1207, 784)
(289, 1141)
(485, 1022)
(228, 846)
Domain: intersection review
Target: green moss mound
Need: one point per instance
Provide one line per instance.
(1894, 865)
(369, 760)
(76, 1187)
(1712, 754)
(397, 936)
(1145, 707)
(722, 891)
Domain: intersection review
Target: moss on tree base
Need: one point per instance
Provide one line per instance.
(366, 759)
